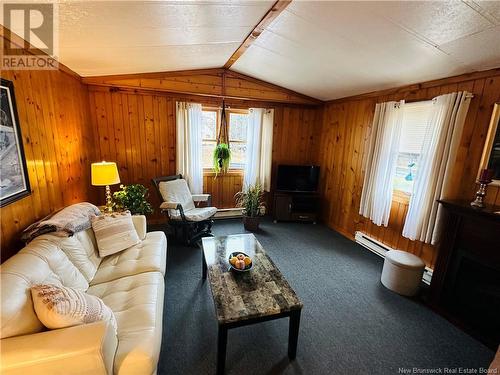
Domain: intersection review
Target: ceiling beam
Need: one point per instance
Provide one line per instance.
(269, 17)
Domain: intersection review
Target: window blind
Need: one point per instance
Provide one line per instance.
(416, 117)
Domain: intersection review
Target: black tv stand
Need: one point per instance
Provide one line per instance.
(295, 206)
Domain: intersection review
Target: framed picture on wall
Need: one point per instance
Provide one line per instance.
(14, 181)
(491, 151)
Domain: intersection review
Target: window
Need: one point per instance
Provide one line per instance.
(237, 125)
(209, 134)
(238, 138)
(416, 117)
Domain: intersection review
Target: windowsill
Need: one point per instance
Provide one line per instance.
(230, 172)
(401, 196)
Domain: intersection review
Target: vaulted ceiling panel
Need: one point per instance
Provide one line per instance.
(333, 49)
(123, 60)
(437, 21)
(117, 37)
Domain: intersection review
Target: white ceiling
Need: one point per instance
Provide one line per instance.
(330, 50)
(119, 37)
(325, 49)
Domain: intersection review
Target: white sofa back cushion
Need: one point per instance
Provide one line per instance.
(40, 262)
(81, 250)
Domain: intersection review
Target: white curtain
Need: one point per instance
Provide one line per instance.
(259, 148)
(435, 166)
(189, 145)
(376, 197)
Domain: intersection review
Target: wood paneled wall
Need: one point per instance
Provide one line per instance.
(223, 187)
(58, 143)
(137, 130)
(345, 135)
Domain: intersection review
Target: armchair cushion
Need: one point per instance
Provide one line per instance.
(195, 214)
(86, 349)
(177, 191)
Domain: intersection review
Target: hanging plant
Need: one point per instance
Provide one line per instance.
(222, 152)
(222, 157)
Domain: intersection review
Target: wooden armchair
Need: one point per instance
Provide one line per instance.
(179, 205)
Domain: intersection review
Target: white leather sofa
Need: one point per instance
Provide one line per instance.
(131, 283)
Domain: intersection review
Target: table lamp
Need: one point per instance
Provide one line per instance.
(105, 174)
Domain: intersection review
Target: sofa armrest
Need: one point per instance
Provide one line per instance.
(83, 349)
(140, 225)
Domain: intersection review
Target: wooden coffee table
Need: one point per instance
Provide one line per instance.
(251, 297)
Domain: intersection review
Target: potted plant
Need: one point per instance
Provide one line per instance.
(252, 202)
(222, 157)
(133, 198)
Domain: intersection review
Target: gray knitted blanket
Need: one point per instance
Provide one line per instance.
(65, 222)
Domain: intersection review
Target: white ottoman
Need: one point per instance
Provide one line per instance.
(402, 272)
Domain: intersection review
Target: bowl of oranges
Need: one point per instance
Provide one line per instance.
(240, 262)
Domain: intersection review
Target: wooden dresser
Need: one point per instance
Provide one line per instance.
(465, 285)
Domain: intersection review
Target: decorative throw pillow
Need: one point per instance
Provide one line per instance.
(60, 307)
(114, 232)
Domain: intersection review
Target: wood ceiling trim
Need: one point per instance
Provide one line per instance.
(424, 85)
(205, 82)
(235, 102)
(269, 17)
(96, 80)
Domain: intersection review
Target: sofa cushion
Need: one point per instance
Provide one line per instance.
(150, 255)
(61, 307)
(137, 302)
(40, 262)
(81, 250)
(114, 232)
(140, 225)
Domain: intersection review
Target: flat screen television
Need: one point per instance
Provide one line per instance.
(297, 178)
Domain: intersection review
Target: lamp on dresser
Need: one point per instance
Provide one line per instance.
(105, 174)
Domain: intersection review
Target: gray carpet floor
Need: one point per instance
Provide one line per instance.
(350, 323)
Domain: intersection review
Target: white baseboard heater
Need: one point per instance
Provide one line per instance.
(380, 249)
(228, 213)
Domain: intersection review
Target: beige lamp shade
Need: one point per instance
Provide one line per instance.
(104, 173)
